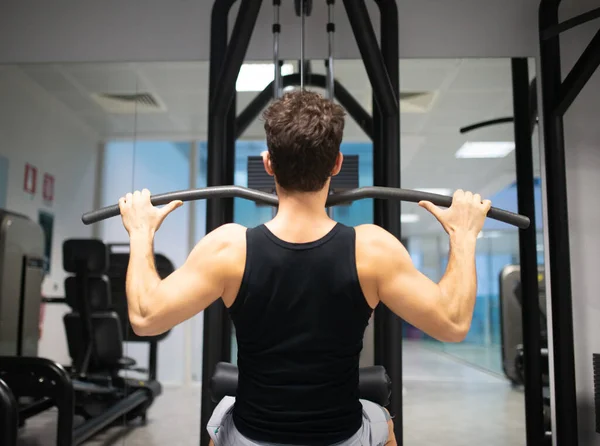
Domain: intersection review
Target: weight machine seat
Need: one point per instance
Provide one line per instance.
(89, 260)
(117, 273)
(106, 333)
(373, 383)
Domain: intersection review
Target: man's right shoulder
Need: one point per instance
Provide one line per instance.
(370, 233)
(373, 240)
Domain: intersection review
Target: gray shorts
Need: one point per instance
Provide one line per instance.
(374, 430)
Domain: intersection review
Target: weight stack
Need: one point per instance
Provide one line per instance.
(596, 362)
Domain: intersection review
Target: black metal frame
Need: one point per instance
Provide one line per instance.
(383, 71)
(345, 98)
(557, 96)
(9, 416)
(535, 430)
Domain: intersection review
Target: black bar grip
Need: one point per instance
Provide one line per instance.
(187, 195)
(414, 196)
(383, 193)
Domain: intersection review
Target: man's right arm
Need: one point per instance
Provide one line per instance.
(443, 310)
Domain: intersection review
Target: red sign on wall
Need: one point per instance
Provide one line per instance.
(48, 189)
(30, 179)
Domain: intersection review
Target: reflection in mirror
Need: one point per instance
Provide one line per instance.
(79, 136)
(458, 132)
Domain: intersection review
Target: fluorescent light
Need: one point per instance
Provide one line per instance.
(409, 218)
(485, 149)
(436, 190)
(255, 77)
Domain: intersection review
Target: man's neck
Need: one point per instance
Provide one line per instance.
(301, 211)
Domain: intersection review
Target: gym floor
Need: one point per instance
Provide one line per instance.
(447, 402)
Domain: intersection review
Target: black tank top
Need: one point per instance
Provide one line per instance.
(300, 317)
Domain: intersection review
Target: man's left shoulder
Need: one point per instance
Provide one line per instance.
(231, 232)
(232, 238)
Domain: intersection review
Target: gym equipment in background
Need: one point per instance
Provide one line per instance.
(21, 275)
(117, 273)
(511, 326)
(93, 387)
(511, 329)
(95, 337)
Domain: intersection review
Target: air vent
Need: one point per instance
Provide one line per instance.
(346, 179)
(128, 103)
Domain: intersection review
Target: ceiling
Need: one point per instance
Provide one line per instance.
(462, 92)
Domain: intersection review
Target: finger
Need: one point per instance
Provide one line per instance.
(167, 209)
(122, 204)
(145, 193)
(477, 198)
(458, 195)
(487, 205)
(468, 196)
(432, 208)
(128, 198)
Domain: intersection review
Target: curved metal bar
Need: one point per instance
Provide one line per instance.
(188, 195)
(414, 196)
(385, 193)
(489, 123)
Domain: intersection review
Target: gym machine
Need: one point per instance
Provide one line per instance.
(513, 355)
(381, 63)
(511, 327)
(21, 274)
(92, 387)
(226, 57)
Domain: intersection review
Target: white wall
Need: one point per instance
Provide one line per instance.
(36, 129)
(179, 30)
(582, 147)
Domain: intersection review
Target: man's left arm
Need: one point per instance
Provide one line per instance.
(156, 305)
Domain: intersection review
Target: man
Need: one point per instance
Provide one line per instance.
(301, 289)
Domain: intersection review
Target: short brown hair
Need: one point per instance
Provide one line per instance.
(304, 134)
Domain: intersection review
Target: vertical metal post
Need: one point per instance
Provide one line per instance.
(382, 66)
(379, 330)
(330, 34)
(213, 315)
(534, 418)
(392, 208)
(302, 23)
(228, 164)
(226, 61)
(563, 355)
(276, 65)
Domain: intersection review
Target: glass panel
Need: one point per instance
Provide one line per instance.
(160, 166)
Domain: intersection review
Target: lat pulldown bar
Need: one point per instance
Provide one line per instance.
(349, 196)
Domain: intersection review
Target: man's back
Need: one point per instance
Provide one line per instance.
(300, 316)
(302, 309)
